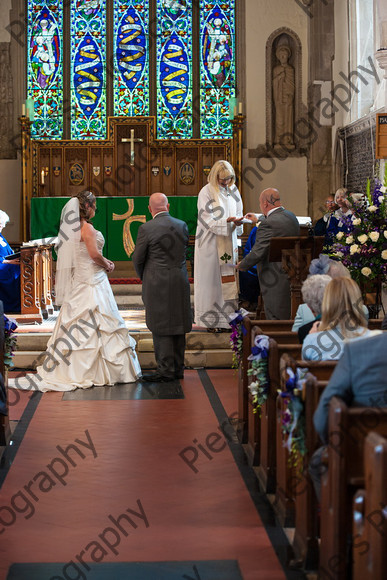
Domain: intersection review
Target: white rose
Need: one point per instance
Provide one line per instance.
(384, 254)
(385, 233)
(374, 236)
(339, 235)
(366, 271)
(372, 208)
(363, 238)
(349, 240)
(354, 249)
(383, 189)
(356, 222)
(339, 254)
(381, 198)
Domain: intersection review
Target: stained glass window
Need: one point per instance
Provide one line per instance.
(45, 69)
(174, 69)
(88, 74)
(217, 67)
(112, 57)
(131, 57)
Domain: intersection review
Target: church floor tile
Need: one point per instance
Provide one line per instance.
(127, 392)
(131, 481)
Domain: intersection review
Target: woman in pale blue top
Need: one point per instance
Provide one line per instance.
(342, 319)
(321, 265)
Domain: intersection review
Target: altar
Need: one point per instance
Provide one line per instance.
(118, 218)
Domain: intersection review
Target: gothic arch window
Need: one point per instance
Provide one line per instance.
(88, 59)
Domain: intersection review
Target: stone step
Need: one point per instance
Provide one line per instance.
(220, 358)
(37, 341)
(133, 289)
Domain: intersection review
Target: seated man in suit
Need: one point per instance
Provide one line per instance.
(359, 379)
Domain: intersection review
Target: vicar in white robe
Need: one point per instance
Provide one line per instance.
(220, 213)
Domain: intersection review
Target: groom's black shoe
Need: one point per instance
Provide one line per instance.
(156, 378)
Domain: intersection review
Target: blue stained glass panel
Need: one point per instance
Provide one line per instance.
(131, 73)
(44, 67)
(217, 67)
(88, 73)
(174, 69)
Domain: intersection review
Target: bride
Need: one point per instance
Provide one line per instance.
(90, 344)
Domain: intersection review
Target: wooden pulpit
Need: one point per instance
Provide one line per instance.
(295, 254)
(36, 282)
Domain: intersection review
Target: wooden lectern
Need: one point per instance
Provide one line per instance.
(296, 254)
(36, 283)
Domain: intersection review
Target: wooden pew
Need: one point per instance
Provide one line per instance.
(294, 491)
(243, 393)
(322, 370)
(262, 428)
(348, 428)
(5, 431)
(305, 541)
(369, 522)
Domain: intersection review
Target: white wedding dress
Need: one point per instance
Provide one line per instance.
(90, 344)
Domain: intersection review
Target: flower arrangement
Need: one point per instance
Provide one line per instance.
(9, 341)
(236, 336)
(363, 250)
(293, 418)
(259, 387)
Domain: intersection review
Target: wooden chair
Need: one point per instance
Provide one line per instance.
(348, 428)
(369, 521)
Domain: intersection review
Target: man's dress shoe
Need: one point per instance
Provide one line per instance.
(156, 378)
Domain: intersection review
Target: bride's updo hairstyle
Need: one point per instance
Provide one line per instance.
(85, 198)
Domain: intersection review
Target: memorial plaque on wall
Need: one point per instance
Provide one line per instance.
(381, 136)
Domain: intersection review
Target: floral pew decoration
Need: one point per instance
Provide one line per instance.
(10, 341)
(236, 336)
(259, 387)
(293, 415)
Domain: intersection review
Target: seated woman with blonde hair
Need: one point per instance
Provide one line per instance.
(342, 319)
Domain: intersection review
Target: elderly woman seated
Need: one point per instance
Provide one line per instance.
(342, 319)
(321, 265)
(312, 293)
(9, 273)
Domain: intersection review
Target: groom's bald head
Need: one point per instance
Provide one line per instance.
(158, 202)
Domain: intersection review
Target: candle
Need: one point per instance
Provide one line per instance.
(23, 110)
(235, 111)
(42, 174)
(240, 109)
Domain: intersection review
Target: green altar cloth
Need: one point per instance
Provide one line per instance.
(45, 218)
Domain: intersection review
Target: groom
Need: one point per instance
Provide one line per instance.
(159, 259)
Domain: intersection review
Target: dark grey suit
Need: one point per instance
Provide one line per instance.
(359, 379)
(273, 280)
(159, 259)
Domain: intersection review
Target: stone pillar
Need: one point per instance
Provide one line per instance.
(321, 52)
(381, 58)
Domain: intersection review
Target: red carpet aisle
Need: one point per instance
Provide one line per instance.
(148, 477)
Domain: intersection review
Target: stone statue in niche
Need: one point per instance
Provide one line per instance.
(283, 96)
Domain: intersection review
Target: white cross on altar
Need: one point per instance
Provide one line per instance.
(132, 141)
